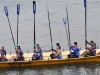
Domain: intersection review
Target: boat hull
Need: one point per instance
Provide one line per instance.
(92, 59)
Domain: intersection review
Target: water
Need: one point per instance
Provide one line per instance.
(76, 69)
(57, 10)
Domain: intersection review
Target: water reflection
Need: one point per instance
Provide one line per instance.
(77, 69)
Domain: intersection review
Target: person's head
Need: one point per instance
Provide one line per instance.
(19, 47)
(2, 47)
(34, 51)
(75, 43)
(37, 45)
(91, 42)
(38, 48)
(59, 47)
(57, 44)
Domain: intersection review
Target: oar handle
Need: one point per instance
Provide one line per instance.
(34, 7)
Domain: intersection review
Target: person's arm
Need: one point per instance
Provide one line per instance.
(40, 51)
(73, 48)
(88, 42)
(5, 52)
(57, 53)
(88, 48)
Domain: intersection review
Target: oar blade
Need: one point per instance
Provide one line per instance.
(64, 21)
(34, 7)
(6, 11)
(85, 3)
(18, 9)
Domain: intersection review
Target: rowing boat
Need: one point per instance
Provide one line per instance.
(47, 61)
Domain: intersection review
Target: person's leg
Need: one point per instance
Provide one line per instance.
(52, 56)
(98, 53)
(83, 53)
(12, 58)
(70, 56)
(41, 55)
(86, 52)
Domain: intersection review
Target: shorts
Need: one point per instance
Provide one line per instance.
(72, 55)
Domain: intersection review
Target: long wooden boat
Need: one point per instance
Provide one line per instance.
(47, 61)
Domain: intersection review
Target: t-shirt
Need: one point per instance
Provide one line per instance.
(76, 50)
(20, 54)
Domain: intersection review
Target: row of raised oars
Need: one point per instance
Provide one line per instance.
(34, 12)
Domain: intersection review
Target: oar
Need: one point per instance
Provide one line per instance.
(34, 11)
(18, 11)
(69, 42)
(6, 12)
(85, 5)
(50, 28)
(65, 22)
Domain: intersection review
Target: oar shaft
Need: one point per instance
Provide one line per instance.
(85, 25)
(17, 27)
(50, 28)
(68, 24)
(34, 12)
(69, 42)
(34, 34)
(11, 31)
(67, 34)
(18, 11)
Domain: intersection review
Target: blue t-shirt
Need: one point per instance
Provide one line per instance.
(93, 47)
(40, 51)
(76, 51)
(20, 54)
(3, 57)
(36, 55)
(4, 51)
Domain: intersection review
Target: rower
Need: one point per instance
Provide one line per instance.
(40, 51)
(90, 50)
(2, 56)
(19, 55)
(76, 52)
(37, 54)
(56, 54)
(3, 50)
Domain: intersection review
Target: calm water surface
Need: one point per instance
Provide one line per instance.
(57, 10)
(76, 69)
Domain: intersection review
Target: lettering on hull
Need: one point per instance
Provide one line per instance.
(19, 63)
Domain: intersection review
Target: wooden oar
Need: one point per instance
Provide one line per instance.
(18, 11)
(69, 42)
(34, 11)
(50, 28)
(85, 5)
(6, 12)
(64, 21)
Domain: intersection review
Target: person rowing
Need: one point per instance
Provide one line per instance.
(90, 50)
(76, 50)
(3, 50)
(37, 54)
(2, 56)
(56, 54)
(19, 55)
(40, 51)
